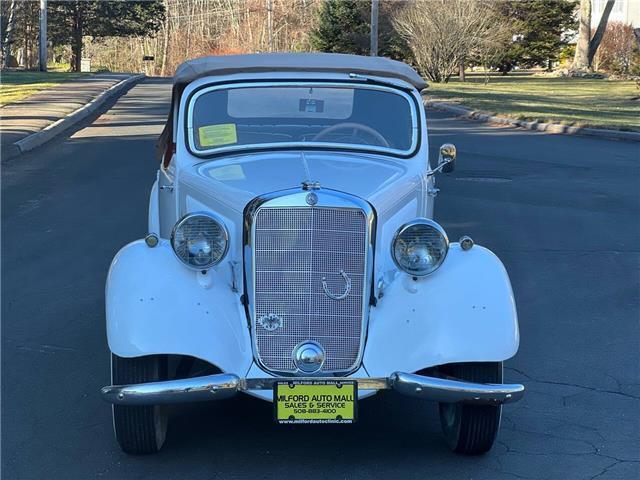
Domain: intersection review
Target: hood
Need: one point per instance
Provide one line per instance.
(237, 180)
(393, 186)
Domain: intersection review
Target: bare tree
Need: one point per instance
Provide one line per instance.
(587, 46)
(493, 49)
(443, 33)
(193, 28)
(9, 33)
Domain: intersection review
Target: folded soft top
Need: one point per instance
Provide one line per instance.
(296, 62)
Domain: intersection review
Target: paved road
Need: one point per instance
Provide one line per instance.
(562, 212)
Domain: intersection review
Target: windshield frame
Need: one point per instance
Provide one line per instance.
(212, 152)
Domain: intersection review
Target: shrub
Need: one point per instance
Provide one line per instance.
(443, 34)
(618, 52)
(565, 57)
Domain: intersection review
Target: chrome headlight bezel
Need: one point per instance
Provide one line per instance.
(403, 229)
(209, 216)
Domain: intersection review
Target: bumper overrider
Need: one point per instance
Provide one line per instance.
(225, 385)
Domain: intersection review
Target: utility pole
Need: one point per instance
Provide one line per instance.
(374, 28)
(43, 36)
(270, 23)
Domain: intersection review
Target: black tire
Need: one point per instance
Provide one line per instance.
(472, 429)
(139, 429)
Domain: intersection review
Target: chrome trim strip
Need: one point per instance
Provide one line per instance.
(280, 145)
(225, 385)
(297, 198)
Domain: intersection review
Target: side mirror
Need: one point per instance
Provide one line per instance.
(447, 158)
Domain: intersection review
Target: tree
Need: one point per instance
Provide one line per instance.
(20, 29)
(587, 46)
(69, 21)
(443, 34)
(539, 31)
(9, 32)
(343, 26)
(581, 58)
(391, 44)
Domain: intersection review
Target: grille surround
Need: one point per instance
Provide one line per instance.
(311, 307)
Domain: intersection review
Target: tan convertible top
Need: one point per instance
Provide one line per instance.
(281, 62)
(296, 62)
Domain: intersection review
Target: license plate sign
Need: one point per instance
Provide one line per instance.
(315, 402)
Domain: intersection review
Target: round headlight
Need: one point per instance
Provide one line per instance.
(200, 240)
(420, 247)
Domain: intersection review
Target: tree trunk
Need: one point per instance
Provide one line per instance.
(165, 45)
(461, 71)
(9, 33)
(76, 47)
(581, 58)
(27, 48)
(602, 26)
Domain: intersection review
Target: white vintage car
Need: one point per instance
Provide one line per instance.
(292, 256)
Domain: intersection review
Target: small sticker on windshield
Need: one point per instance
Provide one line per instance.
(216, 135)
(311, 106)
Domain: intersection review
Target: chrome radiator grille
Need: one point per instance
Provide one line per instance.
(295, 248)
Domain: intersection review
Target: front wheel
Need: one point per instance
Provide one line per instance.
(472, 429)
(139, 429)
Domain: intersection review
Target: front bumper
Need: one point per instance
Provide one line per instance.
(225, 385)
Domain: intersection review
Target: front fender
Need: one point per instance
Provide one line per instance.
(156, 305)
(463, 312)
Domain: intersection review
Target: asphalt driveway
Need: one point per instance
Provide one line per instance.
(562, 212)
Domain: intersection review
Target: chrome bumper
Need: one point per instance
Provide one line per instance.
(225, 385)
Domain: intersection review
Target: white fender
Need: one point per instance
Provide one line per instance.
(156, 305)
(463, 312)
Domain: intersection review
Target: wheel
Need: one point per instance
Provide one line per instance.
(139, 429)
(471, 429)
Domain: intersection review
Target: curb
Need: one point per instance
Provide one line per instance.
(49, 132)
(537, 126)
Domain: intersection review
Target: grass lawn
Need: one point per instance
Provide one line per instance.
(15, 86)
(572, 101)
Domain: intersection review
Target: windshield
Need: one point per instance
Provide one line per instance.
(343, 116)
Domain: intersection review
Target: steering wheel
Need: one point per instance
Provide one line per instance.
(355, 128)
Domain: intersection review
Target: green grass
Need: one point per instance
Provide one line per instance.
(571, 101)
(15, 86)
